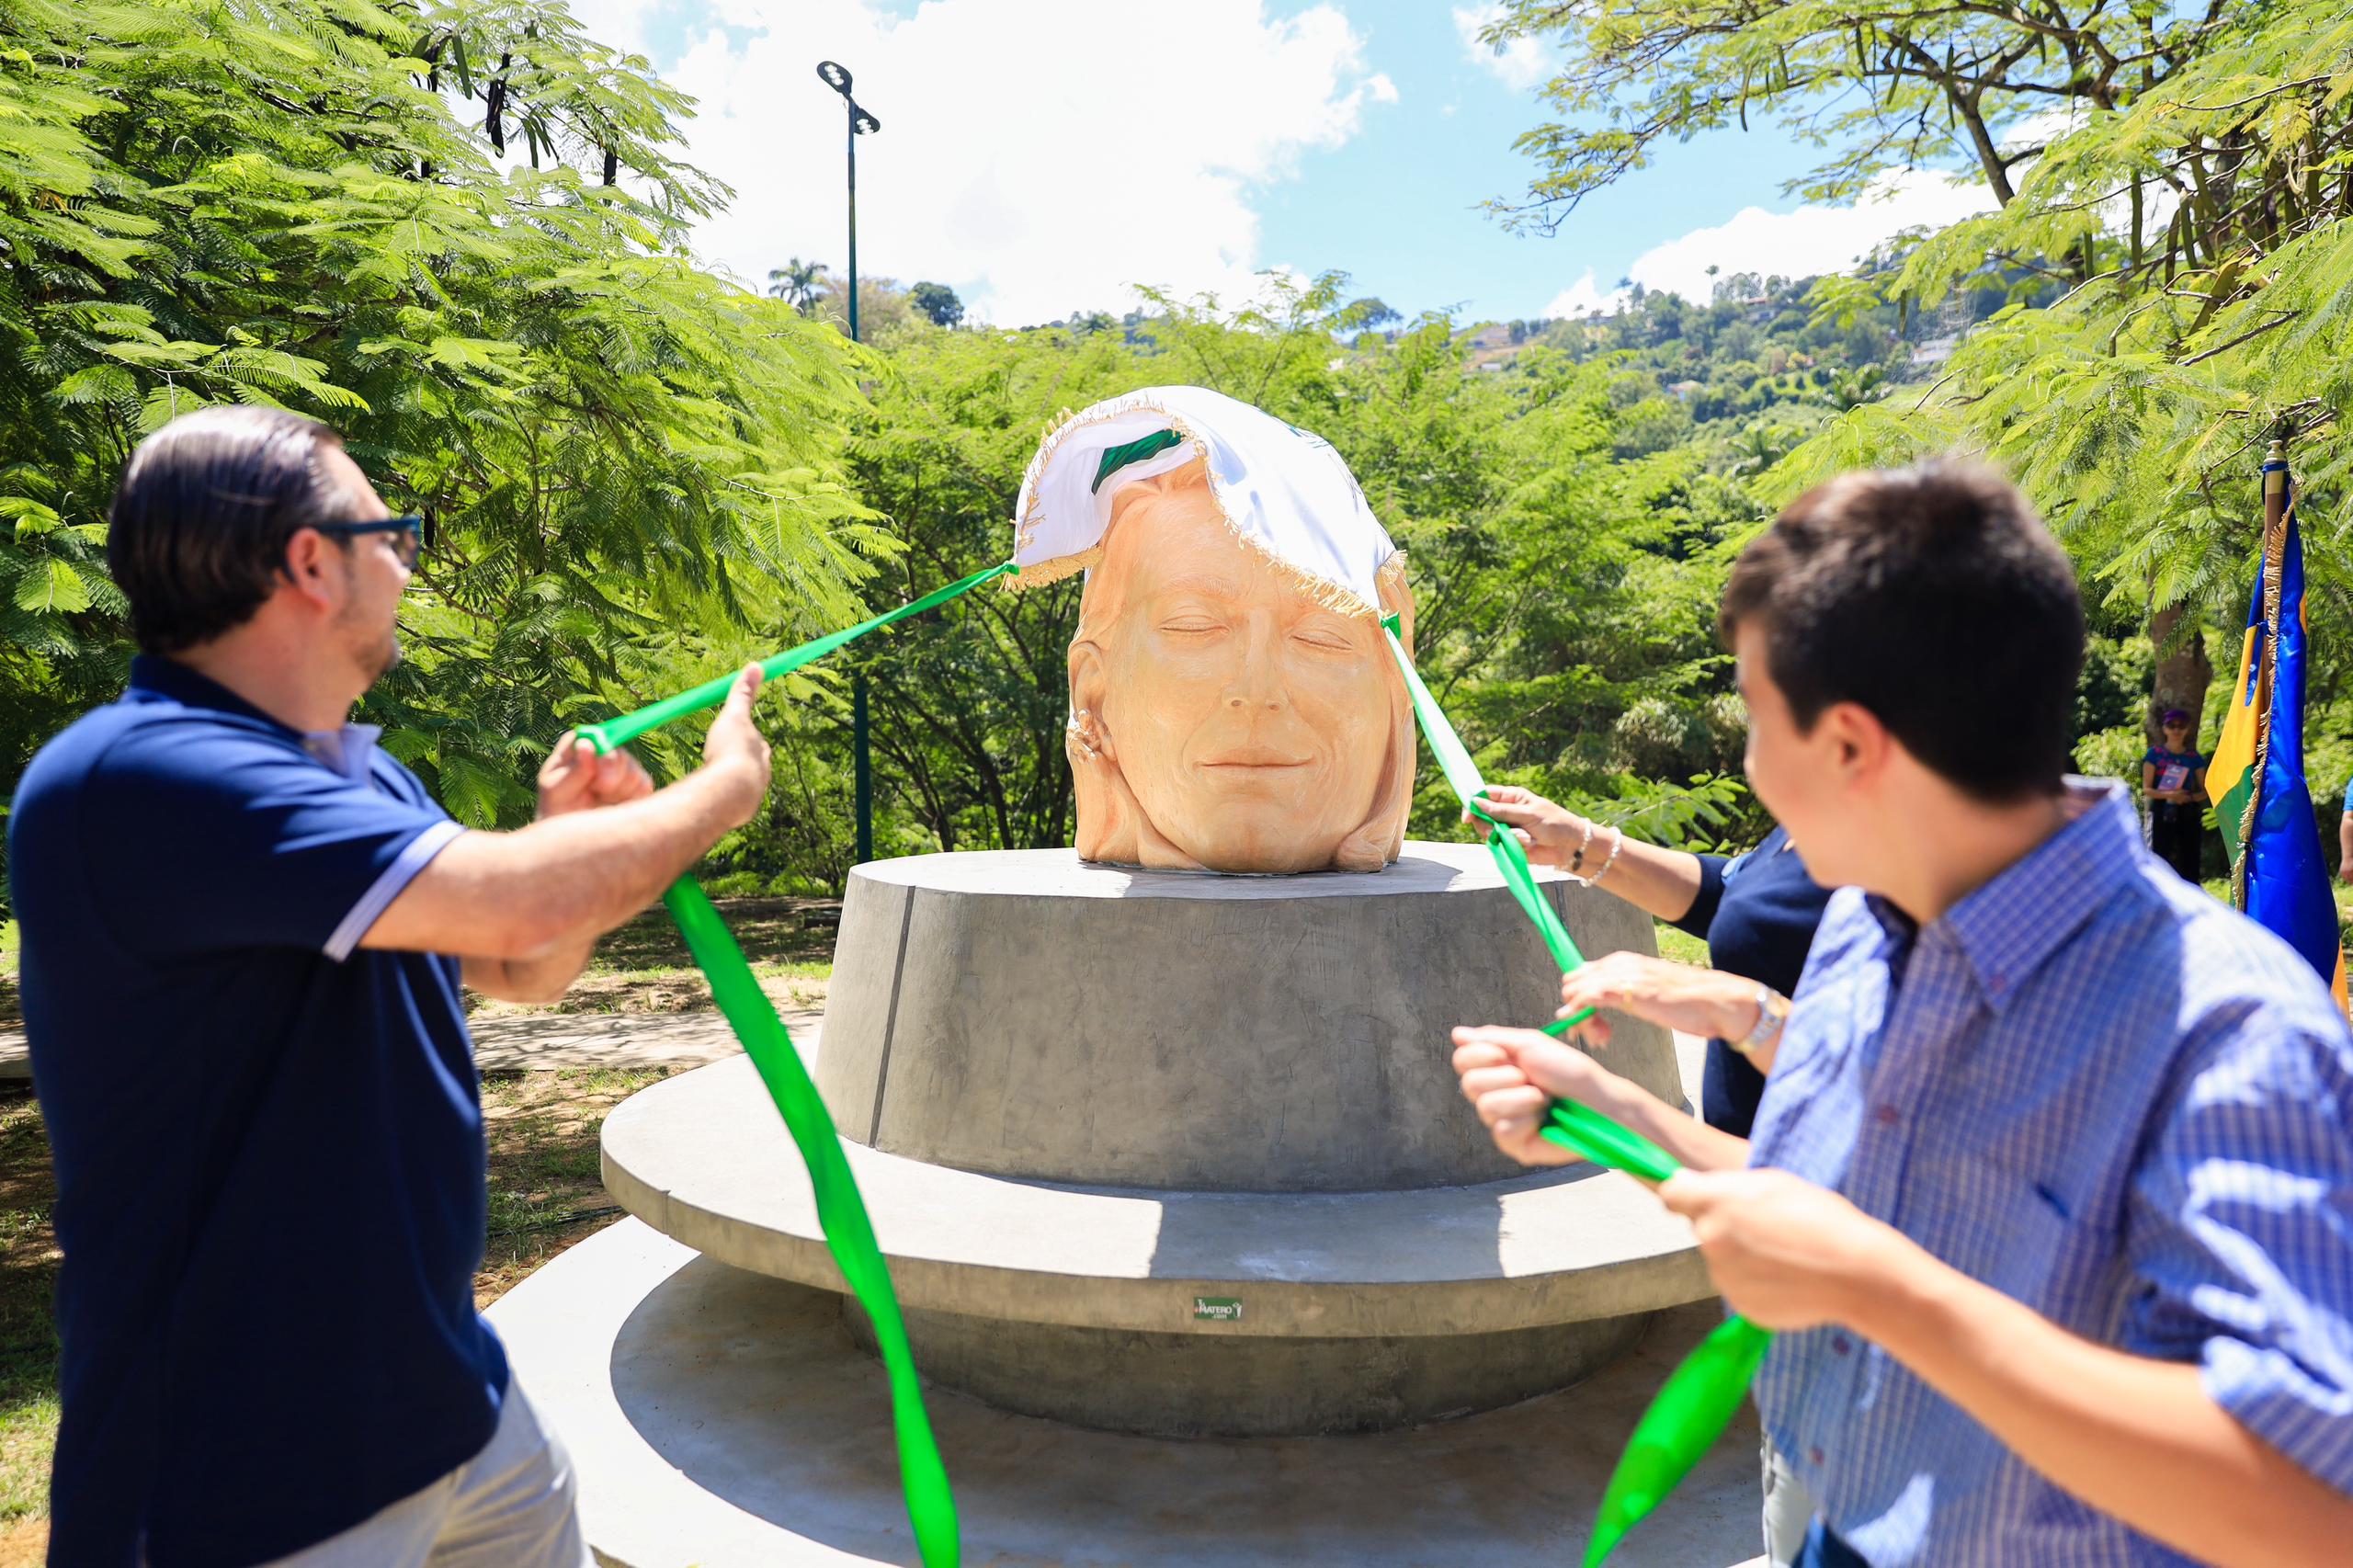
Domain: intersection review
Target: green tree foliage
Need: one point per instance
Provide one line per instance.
(453, 231)
(1566, 597)
(2203, 225)
(2171, 187)
(1881, 87)
(797, 282)
(937, 304)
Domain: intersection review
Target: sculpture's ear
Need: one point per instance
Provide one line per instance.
(1089, 686)
(1106, 811)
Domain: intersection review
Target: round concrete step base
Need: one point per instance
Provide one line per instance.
(723, 1419)
(1179, 1312)
(1195, 1385)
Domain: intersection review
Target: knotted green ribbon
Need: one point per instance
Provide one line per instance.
(1702, 1396)
(1690, 1411)
(841, 1212)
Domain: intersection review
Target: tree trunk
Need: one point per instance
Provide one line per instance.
(2183, 671)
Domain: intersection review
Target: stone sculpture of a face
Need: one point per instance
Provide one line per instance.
(1229, 713)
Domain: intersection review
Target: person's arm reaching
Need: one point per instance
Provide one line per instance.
(2344, 847)
(542, 894)
(1659, 882)
(2133, 1436)
(1512, 1076)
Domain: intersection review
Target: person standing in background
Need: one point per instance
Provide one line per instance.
(2344, 838)
(2172, 781)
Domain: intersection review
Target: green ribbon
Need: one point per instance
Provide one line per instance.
(1703, 1394)
(615, 733)
(1697, 1402)
(1511, 858)
(849, 1234)
(841, 1212)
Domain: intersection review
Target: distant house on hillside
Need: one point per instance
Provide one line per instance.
(1936, 350)
(1489, 338)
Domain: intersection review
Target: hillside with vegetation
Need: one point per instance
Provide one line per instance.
(460, 234)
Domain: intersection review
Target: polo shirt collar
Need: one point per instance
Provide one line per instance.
(2007, 927)
(345, 752)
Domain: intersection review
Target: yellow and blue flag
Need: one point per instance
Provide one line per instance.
(2279, 874)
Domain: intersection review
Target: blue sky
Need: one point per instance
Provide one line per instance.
(1039, 155)
(1397, 205)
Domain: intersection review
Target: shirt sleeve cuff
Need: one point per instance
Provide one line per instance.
(1702, 913)
(413, 859)
(2306, 1419)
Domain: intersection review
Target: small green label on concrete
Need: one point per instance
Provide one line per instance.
(1218, 1308)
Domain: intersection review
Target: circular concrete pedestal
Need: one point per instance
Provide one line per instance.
(1025, 1013)
(1184, 1154)
(719, 1419)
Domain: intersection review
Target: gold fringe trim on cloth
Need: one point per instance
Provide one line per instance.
(1048, 572)
(1337, 597)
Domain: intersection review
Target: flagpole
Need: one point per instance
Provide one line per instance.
(2276, 501)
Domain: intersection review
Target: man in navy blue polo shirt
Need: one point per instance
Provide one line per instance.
(244, 931)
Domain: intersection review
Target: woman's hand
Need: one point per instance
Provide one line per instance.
(1551, 835)
(1512, 1077)
(1674, 995)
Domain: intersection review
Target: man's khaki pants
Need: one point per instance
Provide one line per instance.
(512, 1506)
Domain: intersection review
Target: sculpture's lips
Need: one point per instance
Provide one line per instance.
(1254, 758)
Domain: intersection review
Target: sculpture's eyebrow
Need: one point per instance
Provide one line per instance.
(1201, 583)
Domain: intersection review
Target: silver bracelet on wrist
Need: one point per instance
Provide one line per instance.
(1617, 842)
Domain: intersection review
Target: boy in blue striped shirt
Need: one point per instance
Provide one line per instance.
(2051, 1193)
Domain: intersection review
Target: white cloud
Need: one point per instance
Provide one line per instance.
(617, 24)
(1520, 64)
(1582, 299)
(1040, 155)
(1814, 239)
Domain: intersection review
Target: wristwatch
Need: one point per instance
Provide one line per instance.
(1772, 1012)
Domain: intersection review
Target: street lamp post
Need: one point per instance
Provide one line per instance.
(862, 766)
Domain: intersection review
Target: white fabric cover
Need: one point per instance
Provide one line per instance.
(1283, 490)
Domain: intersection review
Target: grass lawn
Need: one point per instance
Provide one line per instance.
(1681, 948)
(645, 968)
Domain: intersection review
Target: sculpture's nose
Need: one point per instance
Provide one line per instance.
(1258, 684)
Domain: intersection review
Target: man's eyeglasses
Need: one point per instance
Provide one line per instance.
(409, 534)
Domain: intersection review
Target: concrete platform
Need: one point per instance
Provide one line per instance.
(1025, 1013)
(1185, 1155)
(723, 1419)
(702, 1157)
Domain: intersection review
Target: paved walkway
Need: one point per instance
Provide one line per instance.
(535, 1043)
(538, 1042)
